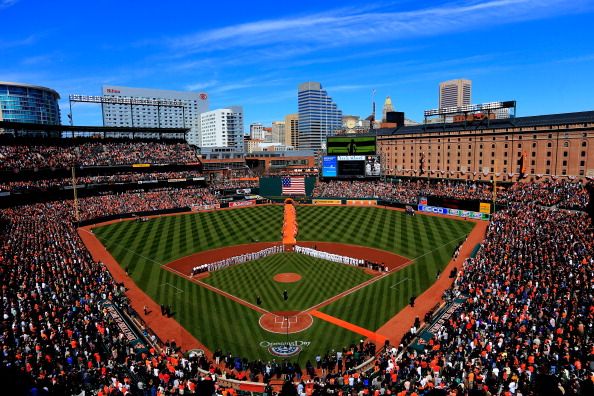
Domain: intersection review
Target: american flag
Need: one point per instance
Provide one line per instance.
(293, 185)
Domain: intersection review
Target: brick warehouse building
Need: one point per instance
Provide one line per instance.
(539, 147)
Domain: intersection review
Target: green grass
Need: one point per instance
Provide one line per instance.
(165, 239)
(429, 240)
(391, 230)
(219, 322)
(320, 280)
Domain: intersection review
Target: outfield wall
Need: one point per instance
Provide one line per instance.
(271, 186)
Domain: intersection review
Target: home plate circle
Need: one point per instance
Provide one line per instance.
(285, 322)
(287, 277)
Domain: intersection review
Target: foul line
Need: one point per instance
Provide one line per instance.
(179, 291)
(349, 326)
(217, 290)
(399, 282)
(128, 249)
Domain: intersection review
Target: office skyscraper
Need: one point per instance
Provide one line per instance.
(188, 115)
(454, 93)
(318, 116)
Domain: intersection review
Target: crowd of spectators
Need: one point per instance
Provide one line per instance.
(230, 184)
(101, 153)
(118, 177)
(564, 193)
(55, 337)
(526, 324)
(143, 201)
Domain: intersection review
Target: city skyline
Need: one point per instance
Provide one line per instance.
(536, 52)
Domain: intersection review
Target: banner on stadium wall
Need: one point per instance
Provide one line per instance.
(200, 208)
(125, 327)
(326, 201)
(176, 180)
(485, 207)
(198, 178)
(141, 165)
(237, 204)
(243, 191)
(148, 181)
(468, 214)
(361, 202)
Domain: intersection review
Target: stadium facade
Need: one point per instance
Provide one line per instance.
(318, 116)
(26, 103)
(555, 145)
(187, 115)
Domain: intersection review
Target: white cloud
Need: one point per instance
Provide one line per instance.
(7, 3)
(350, 27)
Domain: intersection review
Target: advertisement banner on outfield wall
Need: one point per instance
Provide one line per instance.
(326, 201)
(237, 204)
(361, 202)
(469, 214)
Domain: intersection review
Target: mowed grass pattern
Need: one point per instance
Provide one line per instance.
(213, 319)
(391, 230)
(429, 240)
(219, 322)
(165, 239)
(320, 280)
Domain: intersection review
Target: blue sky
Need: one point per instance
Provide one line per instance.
(252, 53)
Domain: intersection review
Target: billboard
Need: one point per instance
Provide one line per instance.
(351, 145)
(372, 166)
(329, 167)
(351, 166)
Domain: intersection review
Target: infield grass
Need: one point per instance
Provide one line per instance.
(320, 280)
(220, 322)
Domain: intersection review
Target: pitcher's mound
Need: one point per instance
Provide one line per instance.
(285, 322)
(287, 277)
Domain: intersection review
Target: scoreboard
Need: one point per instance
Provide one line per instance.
(351, 166)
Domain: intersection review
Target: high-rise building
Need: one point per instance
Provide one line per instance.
(222, 128)
(257, 131)
(292, 130)
(454, 93)
(187, 115)
(318, 116)
(278, 132)
(29, 103)
(387, 108)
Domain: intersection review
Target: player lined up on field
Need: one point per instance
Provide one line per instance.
(217, 265)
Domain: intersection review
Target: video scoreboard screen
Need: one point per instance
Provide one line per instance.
(351, 166)
(351, 145)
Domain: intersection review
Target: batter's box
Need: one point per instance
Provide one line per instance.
(285, 321)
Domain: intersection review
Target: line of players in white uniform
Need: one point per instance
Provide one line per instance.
(337, 258)
(217, 265)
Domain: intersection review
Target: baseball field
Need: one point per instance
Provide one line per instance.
(334, 305)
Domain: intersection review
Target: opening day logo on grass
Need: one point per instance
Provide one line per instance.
(285, 349)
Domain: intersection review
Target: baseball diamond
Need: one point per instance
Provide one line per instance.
(227, 308)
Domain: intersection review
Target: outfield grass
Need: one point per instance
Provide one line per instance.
(165, 239)
(391, 230)
(320, 280)
(429, 240)
(219, 322)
